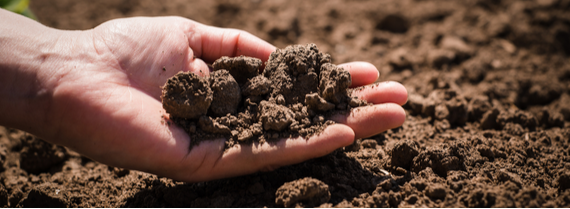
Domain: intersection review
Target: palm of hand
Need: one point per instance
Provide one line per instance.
(112, 108)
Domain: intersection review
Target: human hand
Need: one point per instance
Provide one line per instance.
(108, 106)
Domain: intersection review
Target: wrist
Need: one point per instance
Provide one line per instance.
(33, 60)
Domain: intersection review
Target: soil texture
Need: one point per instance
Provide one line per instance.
(298, 88)
(488, 120)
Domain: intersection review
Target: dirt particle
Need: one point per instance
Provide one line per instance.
(401, 58)
(415, 103)
(489, 120)
(241, 68)
(457, 45)
(226, 93)
(319, 119)
(209, 125)
(275, 117)
(38, 155)
(316, 102)
(333, 83)
(436, 191)
(478, 106)
(519, 117)
(394, 23)
(412, 199)
(257, 86)
(121, 172)
(564, 180)
(446, 104)
(245, 135)
(440, 57)
(403, 153)
(369, 143)
(438, 159)
(186, 95)
(294, 71)
(306, 192)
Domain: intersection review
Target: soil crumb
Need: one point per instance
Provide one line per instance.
(298, 89)
(305, 192)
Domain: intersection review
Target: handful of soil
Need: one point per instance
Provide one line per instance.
(292, 97)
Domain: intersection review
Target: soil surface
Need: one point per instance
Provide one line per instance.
(296, 91)
(488, 120)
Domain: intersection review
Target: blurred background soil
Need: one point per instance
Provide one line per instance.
(488, 113)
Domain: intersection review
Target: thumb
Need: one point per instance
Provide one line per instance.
(196, 65)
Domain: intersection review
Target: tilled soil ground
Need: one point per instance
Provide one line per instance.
(488, 113)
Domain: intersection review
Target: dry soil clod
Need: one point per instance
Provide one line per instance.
(227, 94)
(187, 95)
(241, 68)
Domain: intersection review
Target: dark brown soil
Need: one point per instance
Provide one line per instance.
(488, 113)
(292, 96)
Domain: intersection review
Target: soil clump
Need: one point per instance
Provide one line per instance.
(298, 89)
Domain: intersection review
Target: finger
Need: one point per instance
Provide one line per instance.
(211, 43)
(384, 92)
(371, 120)
(246, 159)
(197, 66)
(362, 73)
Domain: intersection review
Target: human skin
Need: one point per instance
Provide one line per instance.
(98, 92)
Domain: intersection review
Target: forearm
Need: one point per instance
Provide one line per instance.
(29, 66)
